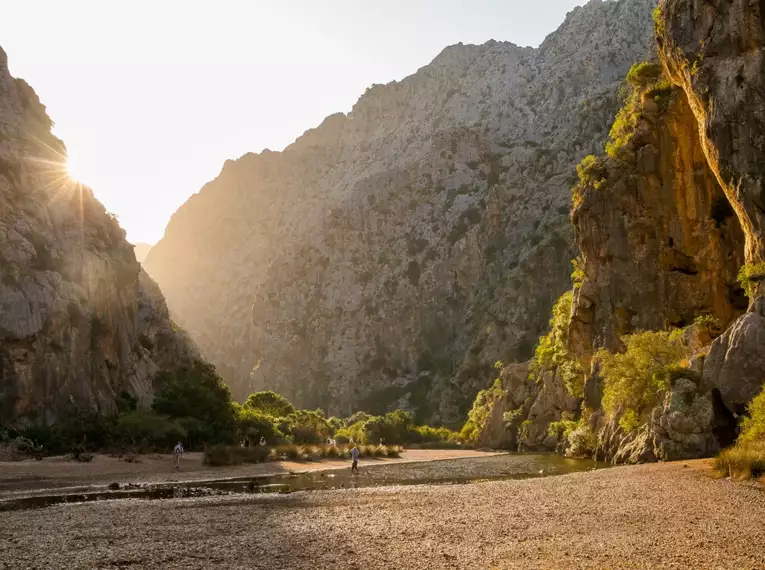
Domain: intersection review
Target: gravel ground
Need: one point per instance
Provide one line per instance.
(650, 516)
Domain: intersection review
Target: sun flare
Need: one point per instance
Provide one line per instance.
(74, 168)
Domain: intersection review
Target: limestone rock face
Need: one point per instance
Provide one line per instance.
(391, 255)
(79, 321)
(659, 242)
(715, 50)
(664, 227)
(521, 413)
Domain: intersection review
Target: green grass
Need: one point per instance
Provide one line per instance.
(745, 460)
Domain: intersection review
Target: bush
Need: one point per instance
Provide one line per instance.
(356, 418)
(254, 425)
(562, 428)
(644, 73)
(343, 436)
(753, 427)
(552, 351)
(632, 379)
(480, 412)
(308, 427)
(269, 404)
(750, 276)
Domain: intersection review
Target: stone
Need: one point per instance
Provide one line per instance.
(736, 362)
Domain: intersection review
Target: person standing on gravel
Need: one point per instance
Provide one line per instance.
(355, 458)
(178, 452)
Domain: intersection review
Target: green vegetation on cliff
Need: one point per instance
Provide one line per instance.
(633, 378)
(750, 276)
(552, 352)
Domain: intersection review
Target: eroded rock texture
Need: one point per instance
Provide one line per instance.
(79, 321)
(659, 242)
(391, 255)
(664, 228)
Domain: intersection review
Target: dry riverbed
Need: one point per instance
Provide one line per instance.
(650, 516)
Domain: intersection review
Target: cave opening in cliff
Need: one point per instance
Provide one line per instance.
(721, 210)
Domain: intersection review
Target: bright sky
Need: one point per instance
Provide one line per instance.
(151, 97)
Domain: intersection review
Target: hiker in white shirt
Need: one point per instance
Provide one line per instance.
(355, 458)
(178, 452)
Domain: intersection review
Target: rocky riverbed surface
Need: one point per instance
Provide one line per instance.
(650, 516)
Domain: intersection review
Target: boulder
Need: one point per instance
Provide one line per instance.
(736, 362)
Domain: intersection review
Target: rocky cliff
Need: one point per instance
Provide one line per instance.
(79, 321)
(391, 255)
(668, 224)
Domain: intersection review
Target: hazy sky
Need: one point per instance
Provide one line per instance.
(151, 97)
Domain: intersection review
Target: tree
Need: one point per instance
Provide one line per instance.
(269, 403)
(195, 395)
(633, 378)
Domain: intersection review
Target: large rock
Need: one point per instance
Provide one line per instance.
(391, 255)
(522, 411)
(736, 362)
(682, 426)
(79, 321)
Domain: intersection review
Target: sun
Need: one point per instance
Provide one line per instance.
(74, 167)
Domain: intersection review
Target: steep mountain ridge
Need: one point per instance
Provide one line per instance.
(80, 323)
(390, 256)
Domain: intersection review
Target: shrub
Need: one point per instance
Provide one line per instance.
(356, 417)
(753, 427)
(254, 425)
(552, 351)
(308, 427)
(269, 404)
(218, 455)
(644, 73)
(343, 436)
(480, 412)
(562, 428)
(632, 379)
(750, 275)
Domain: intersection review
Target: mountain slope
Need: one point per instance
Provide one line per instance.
(390, 256)
(79, 321)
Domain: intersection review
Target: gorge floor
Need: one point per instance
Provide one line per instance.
(650, 516)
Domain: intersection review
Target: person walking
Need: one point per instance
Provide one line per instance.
(355, 458)
(178, 452)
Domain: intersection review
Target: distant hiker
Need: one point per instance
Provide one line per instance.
(355, 458)
(178, 452)
(262, 442)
